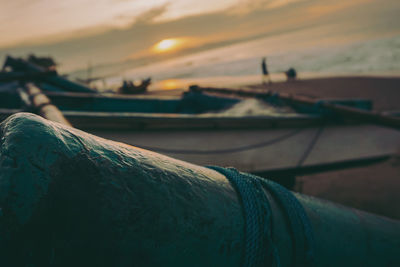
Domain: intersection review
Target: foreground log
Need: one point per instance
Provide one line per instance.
(68, 198)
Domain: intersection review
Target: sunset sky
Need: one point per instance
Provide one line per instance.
(101, 31)
(31, 20)
(39, 21)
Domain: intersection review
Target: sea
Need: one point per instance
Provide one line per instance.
(240, 63)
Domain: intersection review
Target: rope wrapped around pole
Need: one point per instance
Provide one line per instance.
(250, 190)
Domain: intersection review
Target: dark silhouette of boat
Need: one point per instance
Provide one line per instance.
(129, 88)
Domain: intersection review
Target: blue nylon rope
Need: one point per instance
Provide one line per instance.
(259, 245)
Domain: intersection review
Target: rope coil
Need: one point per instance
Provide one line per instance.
(260, 249)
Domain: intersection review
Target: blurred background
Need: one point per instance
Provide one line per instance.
(221, 42)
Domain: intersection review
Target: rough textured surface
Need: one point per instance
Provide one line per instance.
(67, 196)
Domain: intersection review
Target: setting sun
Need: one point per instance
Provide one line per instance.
(167, 45)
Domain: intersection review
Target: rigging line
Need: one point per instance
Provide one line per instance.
(311, 146)
(224, 151)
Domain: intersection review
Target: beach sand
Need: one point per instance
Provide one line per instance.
(374, 188)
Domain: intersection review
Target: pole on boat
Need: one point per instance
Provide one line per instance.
(42, 105)
(353, 113)
(102, 203)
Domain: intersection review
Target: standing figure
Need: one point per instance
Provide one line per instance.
(265, 72)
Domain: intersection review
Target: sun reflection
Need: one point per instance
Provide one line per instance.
(171, 84)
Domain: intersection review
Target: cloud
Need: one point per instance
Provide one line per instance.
(248, 6)
(105, 45)
(205, 30)
(126, 20)
(280, 3)
(152, 14)
(321, 9)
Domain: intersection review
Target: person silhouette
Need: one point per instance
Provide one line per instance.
(291, 74)
(265, 72)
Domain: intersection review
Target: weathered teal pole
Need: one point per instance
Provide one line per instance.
(39, 102)
(68, 198)
(350, 237)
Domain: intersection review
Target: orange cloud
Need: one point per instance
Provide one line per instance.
(247, 6)
(323, 9)
(172, 45)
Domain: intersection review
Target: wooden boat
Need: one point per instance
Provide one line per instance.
(251, 144)
(36, 73)
(129, 88)
(190, 128)
(197, 128)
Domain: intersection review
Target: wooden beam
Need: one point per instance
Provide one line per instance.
(349, 112)
(43, 106)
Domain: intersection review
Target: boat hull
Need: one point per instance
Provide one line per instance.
(260, 150)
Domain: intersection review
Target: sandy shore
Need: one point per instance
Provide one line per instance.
(374, 188)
